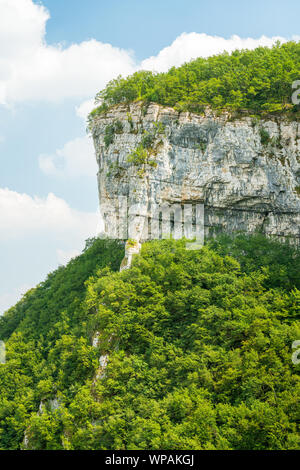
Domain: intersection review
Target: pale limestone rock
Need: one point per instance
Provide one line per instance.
(2, 352)
(54, 404)
(41, 408)
(132, 248)
(103, 361)
(245, 185)
(96, 339)
(25, 440)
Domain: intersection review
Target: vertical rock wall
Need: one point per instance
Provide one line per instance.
(246, 171)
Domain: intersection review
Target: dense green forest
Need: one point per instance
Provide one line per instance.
(257, 81)
(194, 347)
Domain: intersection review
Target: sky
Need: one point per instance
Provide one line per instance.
(55, 55)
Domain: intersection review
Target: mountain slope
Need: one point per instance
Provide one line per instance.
(194, 348)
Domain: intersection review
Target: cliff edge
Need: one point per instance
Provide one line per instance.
(245, 172)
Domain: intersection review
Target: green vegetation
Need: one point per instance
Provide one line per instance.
(147, 148)
(139, 156)
(131, 243)
(109, 135)
(130, 120)
(198, 346)
(93, 114)
(45, 343)
(258, 81)
(115, 128)
(264, 136)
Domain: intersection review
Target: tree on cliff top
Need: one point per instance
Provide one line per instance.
(259, 81)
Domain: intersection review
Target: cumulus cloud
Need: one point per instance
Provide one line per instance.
(189, 46)
(22, 23)
(74, 160)
(32, 70)
(22, 215)
(85, 108)
(36, 235)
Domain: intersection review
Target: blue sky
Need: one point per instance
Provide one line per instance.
(54, 56)
(148, 26)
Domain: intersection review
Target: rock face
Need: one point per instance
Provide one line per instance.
(245, 172)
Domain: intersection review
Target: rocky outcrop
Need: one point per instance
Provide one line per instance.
(245, 171)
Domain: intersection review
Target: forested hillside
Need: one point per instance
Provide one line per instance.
(194, 347)
(257, 81)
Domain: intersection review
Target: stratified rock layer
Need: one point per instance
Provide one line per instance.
(245, 171)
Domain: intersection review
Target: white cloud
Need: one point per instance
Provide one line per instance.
(189, 46)
(85, 108)
(37, 234)
(74, 160)
(22, 23)
(22, 215)
(32, 70)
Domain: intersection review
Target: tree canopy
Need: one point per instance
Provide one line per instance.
(194, 347)
(258, 81)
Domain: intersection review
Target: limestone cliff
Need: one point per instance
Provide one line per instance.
(245, 171)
